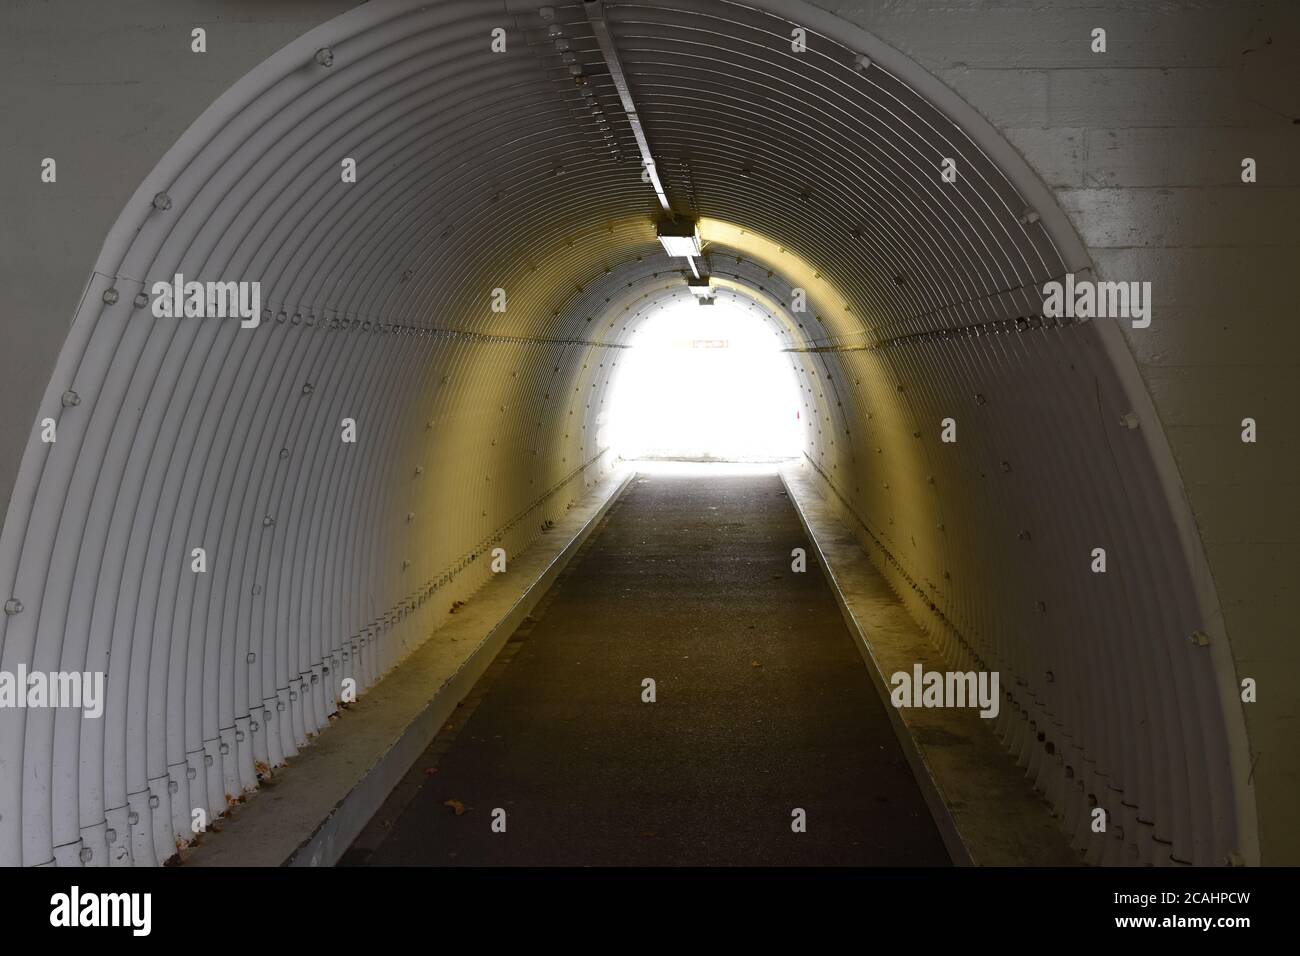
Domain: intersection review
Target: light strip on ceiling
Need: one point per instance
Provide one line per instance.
(599, 27)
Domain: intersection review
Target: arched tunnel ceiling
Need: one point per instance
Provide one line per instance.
(480, 171)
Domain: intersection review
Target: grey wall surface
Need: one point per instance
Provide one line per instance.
(104, 89)
(1143, 146)
(1140, 146)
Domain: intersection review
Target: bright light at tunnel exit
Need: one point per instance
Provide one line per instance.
(705, 382)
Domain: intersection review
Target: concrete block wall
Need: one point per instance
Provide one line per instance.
(1142, 146)
(123, 89)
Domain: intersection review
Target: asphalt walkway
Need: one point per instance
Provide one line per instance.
(762, 705)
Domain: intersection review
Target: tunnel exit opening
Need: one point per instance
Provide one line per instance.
(708, 383)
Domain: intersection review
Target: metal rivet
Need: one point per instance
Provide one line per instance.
(71, 398)
(153, 803)
(162, 201)
(140, 300)
(173, 786)
(13, 606)
(325, 56)
(190, 773)
(110, 296)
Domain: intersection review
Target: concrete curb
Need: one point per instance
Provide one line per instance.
(308, 813)
(979, 799)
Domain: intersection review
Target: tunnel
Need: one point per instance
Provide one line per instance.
(458, 215)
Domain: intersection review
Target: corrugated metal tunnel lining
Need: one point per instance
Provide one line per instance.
(480, 171)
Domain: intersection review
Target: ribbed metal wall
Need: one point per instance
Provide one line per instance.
(481, 170)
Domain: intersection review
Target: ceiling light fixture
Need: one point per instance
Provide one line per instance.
(680, 238)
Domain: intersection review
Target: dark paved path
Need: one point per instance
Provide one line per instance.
(764, 705)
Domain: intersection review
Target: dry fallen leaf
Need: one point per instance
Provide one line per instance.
(456, 806)
(755, 664)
